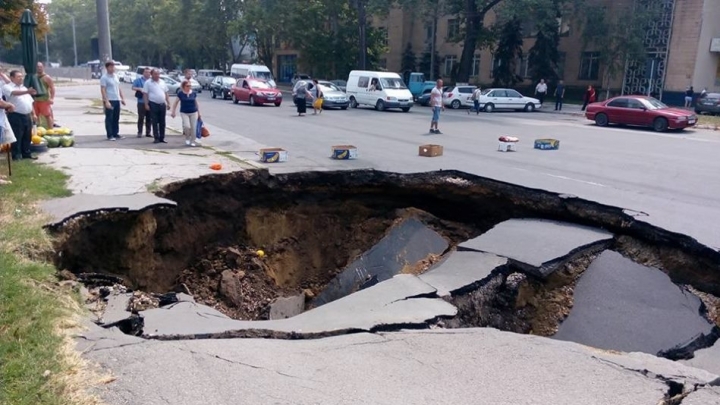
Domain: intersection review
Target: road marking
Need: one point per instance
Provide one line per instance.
(592, 183)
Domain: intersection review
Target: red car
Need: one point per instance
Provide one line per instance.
(255, 92)
(639, 111)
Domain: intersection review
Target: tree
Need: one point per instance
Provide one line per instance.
(507, 53)
(60, 37)
(10, 13)
(424, 65)
(618, 38)
(474, 33)
(409, 61)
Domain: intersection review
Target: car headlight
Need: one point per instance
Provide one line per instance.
(392, 98)
(682, 118)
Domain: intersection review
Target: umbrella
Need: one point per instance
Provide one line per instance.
(29, 50)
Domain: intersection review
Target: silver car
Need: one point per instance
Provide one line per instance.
(333, 96)
(174, 85)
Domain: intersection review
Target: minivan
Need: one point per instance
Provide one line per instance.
(381, 90)
(206, 76)
(241, 71)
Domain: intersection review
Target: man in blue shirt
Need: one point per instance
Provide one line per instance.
(112, 98)
(143, 114)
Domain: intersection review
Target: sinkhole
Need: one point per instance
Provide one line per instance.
(504, 256)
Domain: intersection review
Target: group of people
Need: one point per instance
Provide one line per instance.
(153, 103)
(308, 91)
(541, 91)
(21, 108)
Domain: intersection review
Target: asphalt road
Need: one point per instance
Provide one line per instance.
(672, 177)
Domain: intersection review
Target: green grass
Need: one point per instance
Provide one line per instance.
(709, 120)
(31, 307)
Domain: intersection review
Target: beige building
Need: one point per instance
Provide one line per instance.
(683, 49)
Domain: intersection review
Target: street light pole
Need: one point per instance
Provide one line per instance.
(47, 51)
(104, 43)
(72, 18)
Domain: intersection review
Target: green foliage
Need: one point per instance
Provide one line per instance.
(426, 61)
(10, 13)
(543, 56)
(409, 61)
(507, 53)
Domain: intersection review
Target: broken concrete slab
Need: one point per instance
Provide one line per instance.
(538, 246)
(396, 302)
(706, 359)
(287, 307)
(95, 337)
(621, 305)
(63, 209)
(406, 244)
(703, 396)
(462, 270)
(116, 308)
(662, 368)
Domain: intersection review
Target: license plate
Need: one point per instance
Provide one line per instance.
(271, 98)
(691, 121)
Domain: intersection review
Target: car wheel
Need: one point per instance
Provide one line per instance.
(660, 124)
(529, 107)
(353, 102)
(213, 94)
(252, 101)
(601, 120)
(277, 104)
(380, 105)
(343, 108)
(406, 109)
(234, 99)
(455, 104)
(489, 107)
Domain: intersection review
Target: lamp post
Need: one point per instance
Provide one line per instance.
(72, 18)
(47, 51)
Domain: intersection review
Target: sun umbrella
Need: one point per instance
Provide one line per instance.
(29, 50)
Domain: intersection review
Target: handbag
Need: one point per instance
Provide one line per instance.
(198, 129)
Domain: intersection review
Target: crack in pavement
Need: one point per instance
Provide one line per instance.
(247, 365)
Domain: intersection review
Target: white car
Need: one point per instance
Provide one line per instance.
(507, 99)
(458, 96)
(174, 85)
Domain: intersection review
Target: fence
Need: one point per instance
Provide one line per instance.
(69, 73)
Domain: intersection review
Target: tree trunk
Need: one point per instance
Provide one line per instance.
(362, 23)
(473, 28)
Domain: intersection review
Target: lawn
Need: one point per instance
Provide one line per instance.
(34, 365)
(712, 121)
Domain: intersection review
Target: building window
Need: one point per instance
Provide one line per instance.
(563, 26)
(383, 35)
(561, 65)
(523, 66)
(453, 30)
(450, 62)
(429, 32)
(495, 64)
(589, 66)
(476, 66)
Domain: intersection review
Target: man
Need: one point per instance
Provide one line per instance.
(541, 91)
(437, 105)
(156, 101)
(559, 95)
(112, 98)
(22, 116)
(143, 114)
(43, 104)
(476, 101)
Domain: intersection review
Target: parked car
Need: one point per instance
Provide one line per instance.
(333, 97)
(424, 99)
(300, 76)
(221, 86)
(255, 92)
(174, 85)
(642, 111)
(708, 103)
(206, 76)
(341, 84)
(506, 99)
(458, 96)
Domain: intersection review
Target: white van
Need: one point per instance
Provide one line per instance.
(241, 71)
(381, 90)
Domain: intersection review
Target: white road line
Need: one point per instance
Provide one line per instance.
(592, 183)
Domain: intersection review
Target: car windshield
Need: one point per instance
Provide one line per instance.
(228, 80)
(328, 87)
(340, 82)
(262, 75)
(486, 91)
(260, 85)
(653, 104)
(215, 74)
(392, 83)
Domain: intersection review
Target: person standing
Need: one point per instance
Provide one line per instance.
(157, 103)
(317, 97)
(541, 91)
(22, 116)
(476, 101)
(112, 98)
(689, 93)
(143, 114)
(559, 95)
(589, 97)
(301, 97)
(189, 111)
(43, 104)
(436, 103)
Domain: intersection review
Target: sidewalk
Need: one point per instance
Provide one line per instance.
(132, 164)
(567, 109)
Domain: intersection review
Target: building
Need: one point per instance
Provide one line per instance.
(683, 50)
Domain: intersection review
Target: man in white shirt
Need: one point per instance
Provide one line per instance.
(437, 105)
(157, 102)
(22, 117)
(541, 91)
(476, 101)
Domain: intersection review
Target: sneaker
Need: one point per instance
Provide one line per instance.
(148, 136)
(139, 135)
(119, 137)
(187, 143)
(192, 144)
(163, 141)
(156, 141)
(437, 132)
(432, 131)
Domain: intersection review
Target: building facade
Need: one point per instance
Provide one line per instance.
(683, 49)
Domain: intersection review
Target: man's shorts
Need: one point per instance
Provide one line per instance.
(436, 114)
(42, 108)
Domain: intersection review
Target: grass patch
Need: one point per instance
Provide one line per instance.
(230, 156)
(35, 360)
(709, 120)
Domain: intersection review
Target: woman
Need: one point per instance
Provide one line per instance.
(589, 97)
(317, 95)
(300, 98)
(189, 111)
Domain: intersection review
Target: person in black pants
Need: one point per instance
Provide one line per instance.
(559, 95)
(157, 103)
(22, 115)
(143, 114)
(157, 117)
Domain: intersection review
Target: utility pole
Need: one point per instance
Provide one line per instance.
(47, 52)
(72, 17)
(362, 23)
(104, 43)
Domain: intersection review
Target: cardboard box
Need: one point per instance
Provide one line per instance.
(507, 146)
(431, 150)
(344, 152)
(547, 144)
(273, 155)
